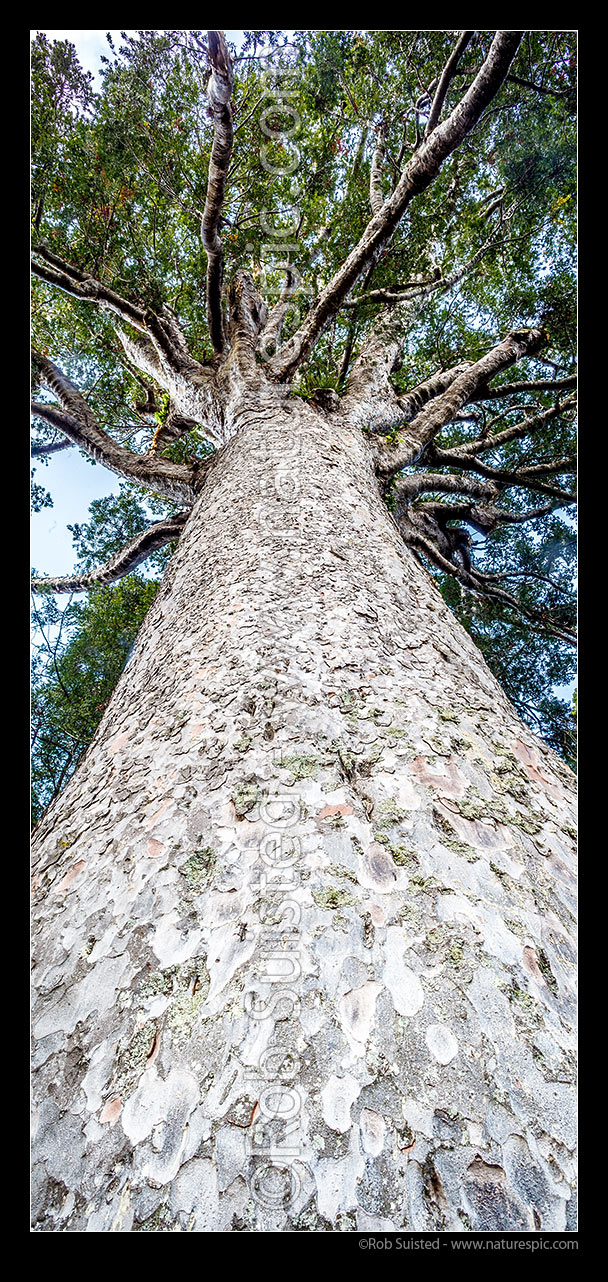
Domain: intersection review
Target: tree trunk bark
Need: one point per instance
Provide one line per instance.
(302, 935)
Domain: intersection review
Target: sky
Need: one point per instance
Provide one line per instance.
(90, 46)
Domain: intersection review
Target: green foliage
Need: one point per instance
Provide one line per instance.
(527, 662)
(40, 497)
(75, 673)
(81, 649)
(113, 522)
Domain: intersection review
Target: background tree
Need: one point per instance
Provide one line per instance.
(315, 379)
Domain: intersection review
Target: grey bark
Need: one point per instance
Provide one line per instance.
(219, 93)
(303, 953)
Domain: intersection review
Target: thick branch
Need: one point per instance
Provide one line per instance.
(68, 395)
(526, 477)
(413, 401)
(162, 329)
(77, 421)
(219, 92)
(483, 517)
(174, 480)
(407, 487)
(369, 400)
(129, 557)
(565, 464)
(445, 79)
(195, 394)
(53, 448)
(143, 354)
(247, 315)
(81, 284)
(419, 172)
(376, 198)
(425, 426)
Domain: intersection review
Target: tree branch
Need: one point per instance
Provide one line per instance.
(81, 284)
(528, 574)
(142, 353)
(529, 84)
(130, 556)
(407, 487)
(477, 582)
(271, 334)
(376, 198)
(435, 284)
(425, 426)
(369, 401)
(512, 389)
(38, 450)
(419, 172)
(389, 294)
(445, 79)
(369, 379)
(195, 393)
(247, 315)
(526, 427)
(77, 421)
(161, 329)
(219, 92)
(483, 517)
(526, 477)
(413, 401)
(384, 343)
(565, 464)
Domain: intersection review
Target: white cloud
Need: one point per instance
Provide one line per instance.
(90, 45)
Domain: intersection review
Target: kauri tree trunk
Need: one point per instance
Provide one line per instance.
(302, 932)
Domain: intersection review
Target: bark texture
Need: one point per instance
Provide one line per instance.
(303, 918)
